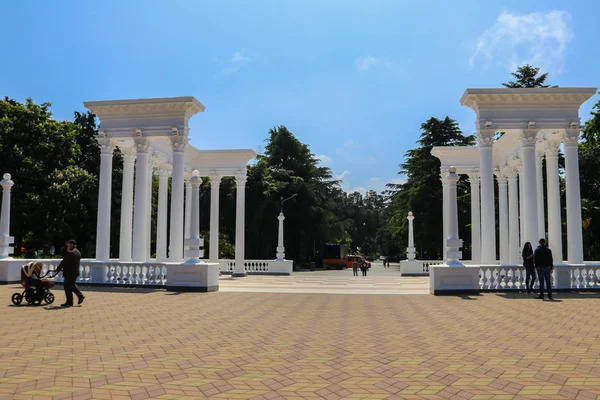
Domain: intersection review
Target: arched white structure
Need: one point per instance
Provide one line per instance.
(516, 128)
(153, 135)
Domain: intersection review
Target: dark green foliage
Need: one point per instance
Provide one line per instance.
(526, 77)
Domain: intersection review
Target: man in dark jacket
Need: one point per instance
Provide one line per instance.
(70, 268)
(544, 264)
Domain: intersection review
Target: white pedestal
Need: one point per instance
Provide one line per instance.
(445, 280)
(411, 268)
(193, 277)
(562, 276)
(10, 270)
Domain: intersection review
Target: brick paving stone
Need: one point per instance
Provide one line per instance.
(141, 343)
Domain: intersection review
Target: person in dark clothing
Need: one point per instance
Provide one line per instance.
(364, 268)
(544, 264)
(70, 268)
(529, 267)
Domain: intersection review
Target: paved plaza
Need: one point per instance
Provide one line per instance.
(141, 343)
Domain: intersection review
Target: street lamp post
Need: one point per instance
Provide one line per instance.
(281, 218)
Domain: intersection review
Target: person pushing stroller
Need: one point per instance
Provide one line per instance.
(70, 267)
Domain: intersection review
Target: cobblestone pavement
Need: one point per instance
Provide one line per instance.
(379, 280)
(141, 343)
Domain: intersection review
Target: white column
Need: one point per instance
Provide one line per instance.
(177, 185)
(573, 193)
(104, 200)
(149, 212)
(193, 242)
(444, 172)
(280, 247)
(488, 217)
(410, 250)
(513, 216)
(539, 173)
(215, 183)
(240, 216)
(528, 139)
(453, 254)
(5, 239)
(188, 207)
(554, 208)
(503, 215)
(521, 206)
(140, 213)
(161, 218)
(126, 205)
(475, 217)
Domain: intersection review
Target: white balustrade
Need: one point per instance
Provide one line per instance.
(259, 267)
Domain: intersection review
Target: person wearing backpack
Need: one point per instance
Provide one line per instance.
(544, 264)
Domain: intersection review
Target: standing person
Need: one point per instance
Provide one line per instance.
(527, 254)
(363, 268)
(70, 267)
(355, 267)
(544, 264)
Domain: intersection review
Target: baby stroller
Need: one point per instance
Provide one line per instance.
(37, 287)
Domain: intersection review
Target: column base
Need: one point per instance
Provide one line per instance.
(196, 277)
(412, 268)
(10, 270)
(448, 280)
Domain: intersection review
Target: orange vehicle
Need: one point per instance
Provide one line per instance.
(336, 256)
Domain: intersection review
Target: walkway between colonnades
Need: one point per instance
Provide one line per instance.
(379, 280)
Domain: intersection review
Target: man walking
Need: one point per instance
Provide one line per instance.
(70, 267)
(544, 264)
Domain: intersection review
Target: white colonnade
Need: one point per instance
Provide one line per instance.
(516, 130)
(154, 133)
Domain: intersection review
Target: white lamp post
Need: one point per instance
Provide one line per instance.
(5, 239)
(281, 218)
(410, 250)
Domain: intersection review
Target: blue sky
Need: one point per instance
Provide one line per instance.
(354, 80)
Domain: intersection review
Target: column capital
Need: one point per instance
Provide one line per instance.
(142, 145)
(179, 143)
(474, 177)
(501, 176)
(485, 137)
(215, 179)
(539, 156)
(528, 137)
(128, 155)
(552, 147)
(163, 170)
(240, 178)
(571, 137)
(106, 146)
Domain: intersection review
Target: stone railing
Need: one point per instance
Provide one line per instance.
(115, 273)
(512, 277)
(427, 263)
(259, 267)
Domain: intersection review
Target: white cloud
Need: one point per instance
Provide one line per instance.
(234, 63)
(368, 62)
(539, 39)
(324, 159)
(343, 175)
(398, 181)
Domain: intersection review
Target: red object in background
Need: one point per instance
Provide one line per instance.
(23, 250)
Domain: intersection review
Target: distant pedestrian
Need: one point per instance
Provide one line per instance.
(544, 264)
(364, 267)
(70, 267)
(355, 267)
(529, 267)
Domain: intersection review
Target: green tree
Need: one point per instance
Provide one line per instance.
(527, 77)
(422, 192)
